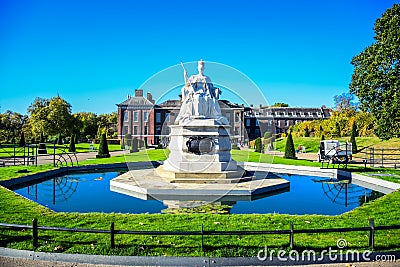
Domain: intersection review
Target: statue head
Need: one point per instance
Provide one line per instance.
(200, 66)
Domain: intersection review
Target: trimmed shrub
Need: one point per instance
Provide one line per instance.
(258, 145)
(22, 140)
(353, 138)
(72, 144)
(103, 147)
(290, 153)
(267, 135)
(306, 132)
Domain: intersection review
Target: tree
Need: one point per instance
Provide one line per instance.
(345, 102)
(38, 116)
(258, 145)
(353, 138)
(103, 147)
(108, 123)
(290, 153)
(72, 144)
(375, 80)
(51, 116)
(279, 104)
(86, 124)
(11, 124)
(59, 116)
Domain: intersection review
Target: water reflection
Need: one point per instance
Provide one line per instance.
(90, 192)
(342, 192)
(58, 189)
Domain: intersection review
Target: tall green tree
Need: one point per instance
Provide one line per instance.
(108, 123)
(59, 116)
(11, 124)
(376, 77)
(87, 124)
(51, 116)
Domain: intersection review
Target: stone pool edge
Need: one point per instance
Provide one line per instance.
(358, 179)
(362, 180)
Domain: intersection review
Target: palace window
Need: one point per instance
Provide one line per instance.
(126, 116)
(135, 116)
(145, 116)
(158, 117)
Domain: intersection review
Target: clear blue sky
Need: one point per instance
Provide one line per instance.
(94, 53)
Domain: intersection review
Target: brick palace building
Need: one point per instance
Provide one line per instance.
(142, 118)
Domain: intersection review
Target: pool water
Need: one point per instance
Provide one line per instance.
(90, 192)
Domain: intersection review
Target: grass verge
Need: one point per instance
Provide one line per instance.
(16, 209)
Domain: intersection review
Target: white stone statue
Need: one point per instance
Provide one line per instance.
(199, 98)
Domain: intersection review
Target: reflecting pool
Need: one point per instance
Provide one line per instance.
(90, 192)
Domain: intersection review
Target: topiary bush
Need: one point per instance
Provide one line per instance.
(290, 153)
(258, 145)
(306, 132)
(72, 144)
(353, 138)
(103, 147)
(267, 135)
(22, 140)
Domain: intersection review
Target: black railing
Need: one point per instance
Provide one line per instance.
(12, 155)
(371, 229)
(383, 157)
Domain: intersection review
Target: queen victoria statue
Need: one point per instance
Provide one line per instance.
(199, 99)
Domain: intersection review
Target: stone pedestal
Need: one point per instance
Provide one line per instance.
(200, 148)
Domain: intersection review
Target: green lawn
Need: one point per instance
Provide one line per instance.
(16, 209)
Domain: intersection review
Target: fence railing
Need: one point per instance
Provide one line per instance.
(11, 155)
(371, 229)
(382, 157)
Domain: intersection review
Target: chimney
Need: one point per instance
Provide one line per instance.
(150, 97)
(138, 92)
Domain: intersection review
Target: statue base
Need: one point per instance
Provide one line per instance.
(200, 146)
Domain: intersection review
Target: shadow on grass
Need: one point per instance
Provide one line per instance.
(8, 239)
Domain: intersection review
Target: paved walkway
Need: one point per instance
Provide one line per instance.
(19, 262)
